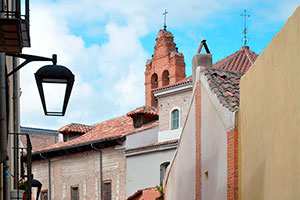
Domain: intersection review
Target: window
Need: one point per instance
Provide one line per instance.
(154, 81)
(74, 193)
(165, 78)
(163, 169)
(107, 190)
(175, 119)
(44, 195)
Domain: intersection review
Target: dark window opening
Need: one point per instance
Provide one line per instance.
(165, 78)
(44, 195)
(107, 190)
(163, 169)
(154, 81)
(74, 193)
(155, 101)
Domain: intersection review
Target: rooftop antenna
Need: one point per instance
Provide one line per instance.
(245, 31)
(165, 19)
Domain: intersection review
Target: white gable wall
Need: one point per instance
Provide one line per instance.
(216, 121)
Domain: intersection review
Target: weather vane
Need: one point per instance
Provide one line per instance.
(245, 31)
(165, 19)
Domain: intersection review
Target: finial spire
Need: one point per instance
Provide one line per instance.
(165, 19)
(245, 31)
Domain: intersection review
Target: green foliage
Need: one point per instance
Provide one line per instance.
(160, 189)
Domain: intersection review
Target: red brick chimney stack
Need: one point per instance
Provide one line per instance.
(166, 67)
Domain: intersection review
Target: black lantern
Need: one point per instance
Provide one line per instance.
(54, 76)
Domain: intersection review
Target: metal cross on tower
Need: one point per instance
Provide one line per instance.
(245, 31)
(165, 19)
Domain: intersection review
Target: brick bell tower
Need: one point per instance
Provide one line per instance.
(165, 68)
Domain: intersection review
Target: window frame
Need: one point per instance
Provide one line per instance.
(43, 192)
(111, 192)
(72, 187)
(171, 118)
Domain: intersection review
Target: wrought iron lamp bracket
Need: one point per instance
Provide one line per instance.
(28, 59)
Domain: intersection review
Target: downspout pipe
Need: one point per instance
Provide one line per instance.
(16, 122)
(100, 168)
(4, 127)
(49, 174)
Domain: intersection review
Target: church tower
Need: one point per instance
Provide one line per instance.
(165, 68)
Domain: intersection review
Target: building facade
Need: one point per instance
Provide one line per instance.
(209, 134)
(269, 119)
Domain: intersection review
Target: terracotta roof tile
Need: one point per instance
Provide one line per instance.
(147, 193)
(168, 142)
(144, 110)
(113, 128)
(182, 82)
(240, 61)
(75, 127)
(226, 85)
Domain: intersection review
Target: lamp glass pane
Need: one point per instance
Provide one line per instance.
(54, 96)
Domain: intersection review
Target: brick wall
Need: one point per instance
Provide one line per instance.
(82, 170)
(166, 103)
(198, 141)
(165, 57)
(232, 164)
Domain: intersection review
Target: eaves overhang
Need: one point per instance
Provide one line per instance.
(173, 90)
(78, 148)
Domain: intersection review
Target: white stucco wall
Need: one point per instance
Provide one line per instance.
(180, 179)
(169, 135)
(216, 121)
(141, 138)
(213, 151)
(143, 169)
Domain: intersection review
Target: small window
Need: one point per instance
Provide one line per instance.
(74, 193)
(44, 195)
(163, 169)
(107, 190)
(165, 78)
(154, 81)
(175, 119)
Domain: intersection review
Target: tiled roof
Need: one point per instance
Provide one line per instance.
(144, 110)
(148, 193)
(239, 61)
(182, 82)
(113, 128)
(226, 85)
(39, 141)
(75, 127)
(151, 146)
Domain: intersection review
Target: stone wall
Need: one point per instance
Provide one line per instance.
(82, 170)
(165, 105)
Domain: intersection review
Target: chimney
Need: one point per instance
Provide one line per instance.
(201, 59)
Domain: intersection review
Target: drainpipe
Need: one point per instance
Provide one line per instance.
(49, 174)
(16, 122)
(4, 126)
(100, 166)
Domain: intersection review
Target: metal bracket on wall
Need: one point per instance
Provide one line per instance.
(28, 59)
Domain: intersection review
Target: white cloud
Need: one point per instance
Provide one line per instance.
(109, 74)
(101, 72)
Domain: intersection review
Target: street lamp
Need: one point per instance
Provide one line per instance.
(59, 78)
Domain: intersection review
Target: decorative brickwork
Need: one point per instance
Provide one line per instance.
(232, 164)
(198, 141)
(166, 67)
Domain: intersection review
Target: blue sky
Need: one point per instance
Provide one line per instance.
(106, 45)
